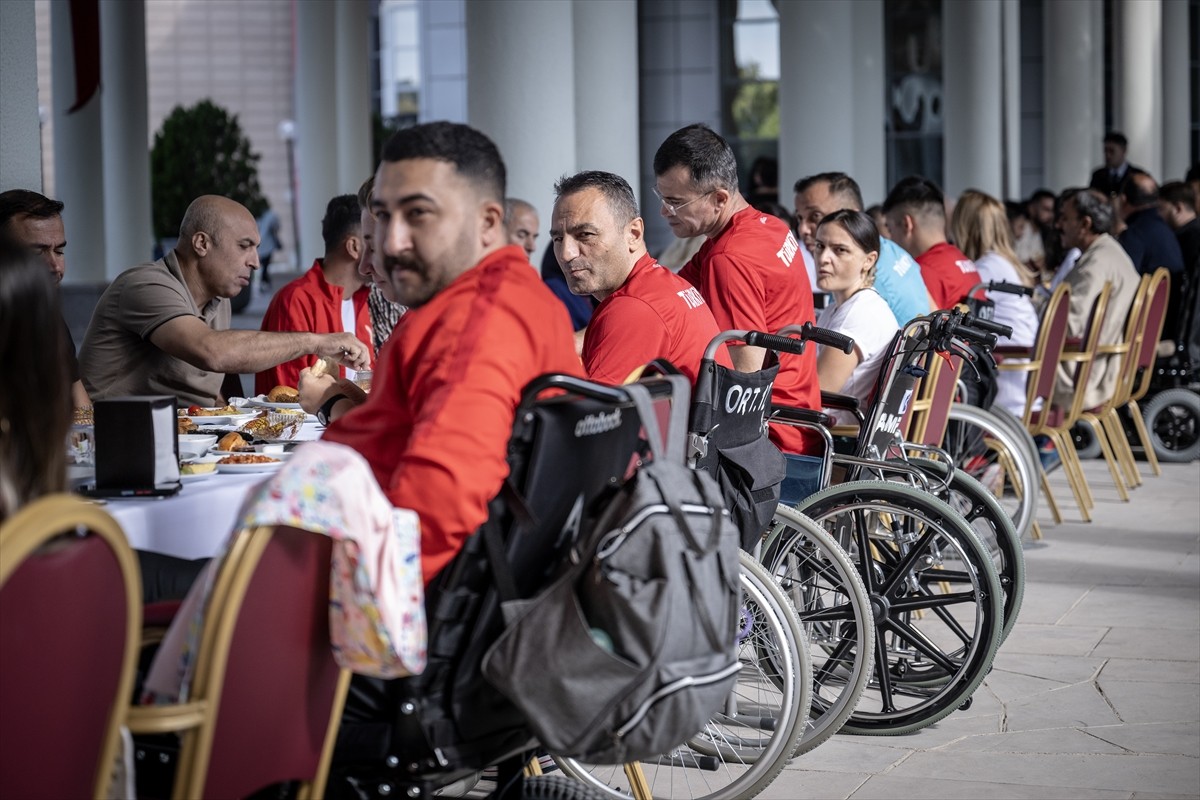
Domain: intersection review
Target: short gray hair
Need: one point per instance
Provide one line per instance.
(1095, 206)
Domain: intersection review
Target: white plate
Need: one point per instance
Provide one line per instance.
(261, 402)
(195, 444)
(236, 419)
(248, 468)
(200, 476)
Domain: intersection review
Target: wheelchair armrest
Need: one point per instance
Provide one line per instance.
(802, 416)
(843, 402)
(1012, 351)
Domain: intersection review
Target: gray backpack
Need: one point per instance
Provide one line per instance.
(632, 648)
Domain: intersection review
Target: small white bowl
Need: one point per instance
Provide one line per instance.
(195, 444)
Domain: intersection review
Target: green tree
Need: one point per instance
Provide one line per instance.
(200, 150)
(756, 106)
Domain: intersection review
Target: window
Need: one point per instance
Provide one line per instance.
(750, 82)
(913, 41)
(399, 63)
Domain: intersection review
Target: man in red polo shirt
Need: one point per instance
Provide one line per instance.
(646, 311)
(916, 216)
(330, 298)
(480, 326)
(747, 270)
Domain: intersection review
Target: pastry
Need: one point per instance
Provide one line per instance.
(232, 441)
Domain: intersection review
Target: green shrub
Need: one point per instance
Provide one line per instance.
(200, 150)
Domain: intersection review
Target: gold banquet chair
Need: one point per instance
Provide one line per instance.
(1143, 363)
(266, 698)
(70, 613)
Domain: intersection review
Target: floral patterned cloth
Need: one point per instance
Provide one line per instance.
(376, 613)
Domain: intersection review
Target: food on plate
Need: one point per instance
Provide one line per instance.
(283, 394)
(185, 425)
(84, 416)
(197, 467)
(233, 441)
(324, 366)
(200, 411)
(250, 458)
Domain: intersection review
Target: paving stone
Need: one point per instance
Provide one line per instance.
(1047, 741)
(1009, 686)
(1118, 606)
(1054, 639)
(870, 754)
(1080, 705)
(1136, 669)
(801, 784)
(1179, 738)
(1047, 603)
(1140, 701)
(1060, 668)
(891, 787)
(1148, 643)
(1146, 773)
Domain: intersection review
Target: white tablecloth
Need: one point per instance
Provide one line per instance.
(191, 524)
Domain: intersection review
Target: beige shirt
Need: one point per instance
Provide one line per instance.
(1105, 261)
(117, 357)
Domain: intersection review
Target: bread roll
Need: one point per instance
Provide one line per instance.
(283, 394)
(324, 366)
(231, 441)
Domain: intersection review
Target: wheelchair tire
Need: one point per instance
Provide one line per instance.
(1173, 422)
(740, 752)
(559, 787)
(1087, 446)
(994, 528)
(983, 444)
(823, 584)
(920, 561)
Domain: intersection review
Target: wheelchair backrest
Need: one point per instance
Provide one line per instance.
(729, 408)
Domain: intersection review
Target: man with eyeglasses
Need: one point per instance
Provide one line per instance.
(748, 270)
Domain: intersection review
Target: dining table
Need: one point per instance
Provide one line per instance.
(193, 523)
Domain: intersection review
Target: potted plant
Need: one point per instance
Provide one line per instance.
(201, 150)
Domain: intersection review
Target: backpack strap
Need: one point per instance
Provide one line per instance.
(676, 439)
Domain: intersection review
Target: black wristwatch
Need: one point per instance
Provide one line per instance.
(327, 408)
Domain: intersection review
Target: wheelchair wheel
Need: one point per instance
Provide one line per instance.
(822, 582)
(937, 602)
(985, 448)
(558, 787)
(1173, 422)
(745, 746)
(993, 527)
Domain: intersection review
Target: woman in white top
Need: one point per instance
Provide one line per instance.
(980, 229)
(846, 250)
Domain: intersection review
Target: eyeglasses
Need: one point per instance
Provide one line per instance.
(674, 210)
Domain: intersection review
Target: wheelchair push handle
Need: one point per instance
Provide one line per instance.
(989, 326)
(976, 335)
(830, 338)
(584, 388)
(1009, 288)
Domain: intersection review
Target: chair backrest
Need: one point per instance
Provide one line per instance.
(1087, 350)
(1130, 345)
(1052, 337)
(264, 669)
(930, 411)
(1158, 298)
(70, 611)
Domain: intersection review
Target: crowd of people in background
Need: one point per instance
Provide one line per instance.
(419, 276)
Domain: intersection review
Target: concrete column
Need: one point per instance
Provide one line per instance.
(870, 104)
(606, 74)
(355, 161)
(1139, 82)
(1071, 140)
(316, 121)
(1011, 65)
(20, 132)
(523, 97)
(1176, 98)
(128, 236)
(972, 77)
(78, 160)
(816, 111)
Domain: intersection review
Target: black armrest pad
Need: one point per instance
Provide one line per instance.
(842, 401)
(805, 416)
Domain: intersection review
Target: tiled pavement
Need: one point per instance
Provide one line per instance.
(1096, 694)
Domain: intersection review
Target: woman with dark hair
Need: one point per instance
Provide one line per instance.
(34, 422)
(845, 251)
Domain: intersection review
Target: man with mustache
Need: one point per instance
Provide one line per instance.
(480, 326)
(646, 311)
(164, 328)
